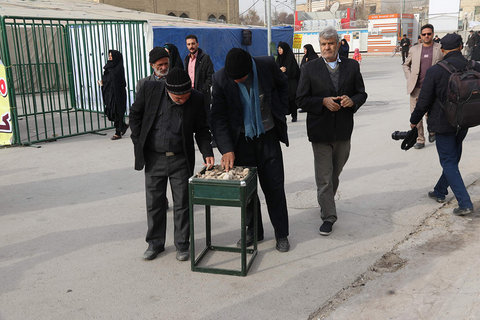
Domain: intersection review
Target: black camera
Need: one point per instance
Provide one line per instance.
(399, 135)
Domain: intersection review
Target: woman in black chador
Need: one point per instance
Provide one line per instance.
(113, 92)
(310, 54)
(288, 64)
(175, 60)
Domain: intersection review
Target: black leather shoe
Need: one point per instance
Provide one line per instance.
(152, 252)
(183, 255)
(249, 240)
(282, 244)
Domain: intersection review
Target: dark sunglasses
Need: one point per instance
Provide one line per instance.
(426, 34)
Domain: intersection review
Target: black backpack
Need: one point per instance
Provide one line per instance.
(462, 107)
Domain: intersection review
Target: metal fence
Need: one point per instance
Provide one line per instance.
(53, 66)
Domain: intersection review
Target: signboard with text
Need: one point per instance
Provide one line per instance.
(297, 41)
(6, 130)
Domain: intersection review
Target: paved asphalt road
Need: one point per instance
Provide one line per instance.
(72, 225)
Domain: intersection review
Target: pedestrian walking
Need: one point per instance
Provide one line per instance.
(309, 54)
(433, 96)
(421, 57)
(288, 65)
(331, 90)
(344, 49)
(405, 45)
(114, 94)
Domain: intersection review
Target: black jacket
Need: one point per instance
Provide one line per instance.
(227, 110)
(203, 73)
(142, 116)
(315, 84)
(434, 92)
(405, 44)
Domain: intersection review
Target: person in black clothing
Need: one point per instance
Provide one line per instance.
(448, 138)
(113, 92)
(175, 60)
(436, 39)
(331, 90)
(405, 45)
(288, 64)
(344, 49)
(164, 118)
(310, 54)
(248, 122)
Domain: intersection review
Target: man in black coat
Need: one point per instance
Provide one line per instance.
(250, 101)
(331, 90)
(200, 68)
(164, 119)
(405, 46)
(449, 138)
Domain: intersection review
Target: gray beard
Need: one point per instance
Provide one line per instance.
(159, 74)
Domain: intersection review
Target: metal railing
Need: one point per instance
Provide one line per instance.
(53, 66)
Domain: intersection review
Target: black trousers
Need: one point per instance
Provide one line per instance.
(158, 169)
(404, 55)
(265, 153)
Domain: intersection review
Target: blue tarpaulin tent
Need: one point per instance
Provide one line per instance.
(216, 42)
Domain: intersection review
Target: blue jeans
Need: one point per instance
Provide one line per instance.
(449, 148)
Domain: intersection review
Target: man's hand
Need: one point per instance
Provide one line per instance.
(346, 102)
(227, 161)
(412, 125)
(209, 162)
(330, 104)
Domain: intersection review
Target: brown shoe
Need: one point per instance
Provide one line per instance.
(116, 137)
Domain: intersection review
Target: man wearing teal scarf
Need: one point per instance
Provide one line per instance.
(250, 101)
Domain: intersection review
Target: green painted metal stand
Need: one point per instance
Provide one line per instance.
(230, 193)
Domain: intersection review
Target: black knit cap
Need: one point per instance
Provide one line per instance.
(178, 81)
(451, 41)
(238, 63)
(157, 53)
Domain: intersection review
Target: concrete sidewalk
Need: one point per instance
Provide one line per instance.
(73, 222)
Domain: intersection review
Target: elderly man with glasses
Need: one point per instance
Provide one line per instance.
(420, 58)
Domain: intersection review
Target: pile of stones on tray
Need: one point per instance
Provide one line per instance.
(218, 173)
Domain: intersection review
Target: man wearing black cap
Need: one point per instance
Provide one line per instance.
(448, 138)
(164, 118)
(159, 61)
(250, 101)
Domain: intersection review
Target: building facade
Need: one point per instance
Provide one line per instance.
(207, 10)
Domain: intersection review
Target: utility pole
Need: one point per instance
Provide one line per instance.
(401, 18)
(268, 17)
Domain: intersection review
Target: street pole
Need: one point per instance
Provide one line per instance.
(401, 18)
(268, 17)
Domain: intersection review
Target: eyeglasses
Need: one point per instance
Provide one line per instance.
(427, 34)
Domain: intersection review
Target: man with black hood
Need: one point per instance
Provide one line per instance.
(448, 138)
(250, 101)
(158, 58)
(164, 118)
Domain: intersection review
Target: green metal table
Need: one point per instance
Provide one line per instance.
(229, 193)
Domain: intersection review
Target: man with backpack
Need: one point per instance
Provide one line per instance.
(436, 99)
